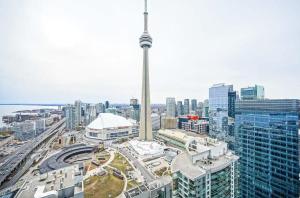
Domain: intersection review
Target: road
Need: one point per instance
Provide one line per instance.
(144, 171)
(15, 161)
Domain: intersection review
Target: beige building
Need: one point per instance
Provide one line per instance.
(169, 123)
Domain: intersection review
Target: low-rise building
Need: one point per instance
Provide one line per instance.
(65, 182)
(197, 126)
(161, 188)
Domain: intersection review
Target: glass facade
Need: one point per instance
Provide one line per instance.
(186, 106)
(219, 100)
(220, 184)
(267, 142)
(253, 93)
(185, 187)
(194, 104)
(171, 107)
(179, 108)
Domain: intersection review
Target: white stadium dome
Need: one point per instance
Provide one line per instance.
(108, 126)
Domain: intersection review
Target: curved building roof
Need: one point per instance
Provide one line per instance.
(109, 120)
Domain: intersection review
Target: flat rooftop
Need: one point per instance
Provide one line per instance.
(51, 182)
(162, 181)
(146, 148)
(184, 164)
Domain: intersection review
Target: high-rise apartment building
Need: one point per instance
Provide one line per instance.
(78, 118)
(70, 117)
(179, 108)
(253, 93)
(90, 113)
(100, 108)
(267, 141)
(206, 169)
(194, 105)
(186, 106)
(171, 107)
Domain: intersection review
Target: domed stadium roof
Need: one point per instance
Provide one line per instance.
(109, 120)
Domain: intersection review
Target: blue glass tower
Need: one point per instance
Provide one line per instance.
(267, 142)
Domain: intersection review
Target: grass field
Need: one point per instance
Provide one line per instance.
(104, 154)
(132, 184)
(103, 186)
(120, 163)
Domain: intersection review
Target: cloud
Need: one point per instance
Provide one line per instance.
(59, 51)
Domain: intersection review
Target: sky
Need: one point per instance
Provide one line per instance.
(57, 51)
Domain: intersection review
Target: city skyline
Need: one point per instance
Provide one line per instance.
(51, 54)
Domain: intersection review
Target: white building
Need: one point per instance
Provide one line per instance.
(155, 121)
(147, 149)
(108, 126)
(65, 182)
(206, 169)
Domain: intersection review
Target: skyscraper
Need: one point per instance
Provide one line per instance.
(78, 119)
(205, 112)
(205, 169)
(231, 103)
(218, 110)
(135, 111)
(171, 107)
(145, 118)
(253, 93)
(267, 141)
(179, 108)
(194, 104)
(100, 108)
(70, 117)
(186, 106)
(106, 104)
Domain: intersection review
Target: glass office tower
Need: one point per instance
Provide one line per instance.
(171, 107)
(267, 142)
(186, 106)
(253, 93)
(218, 110)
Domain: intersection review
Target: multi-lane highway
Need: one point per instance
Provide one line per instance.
(19, 161)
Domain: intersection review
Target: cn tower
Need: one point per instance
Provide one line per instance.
(145, 118)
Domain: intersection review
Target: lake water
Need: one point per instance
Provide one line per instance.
(9, 109)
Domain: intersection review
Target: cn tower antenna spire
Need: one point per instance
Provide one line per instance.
(145, 18)
(145, 118)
